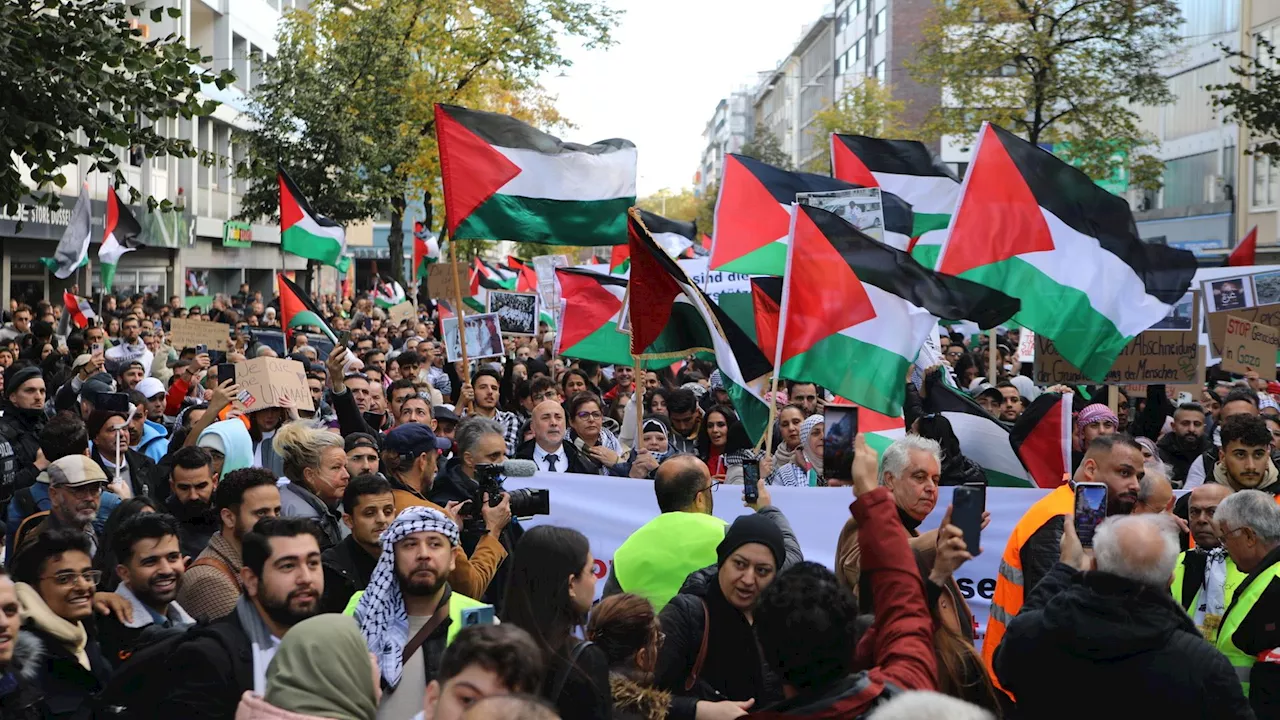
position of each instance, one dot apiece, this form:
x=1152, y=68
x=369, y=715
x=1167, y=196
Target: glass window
x=860, y=48
x=880, y=72
x=152, y=281
x=881, y=23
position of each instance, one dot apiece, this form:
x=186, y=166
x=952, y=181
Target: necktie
x=551, y=463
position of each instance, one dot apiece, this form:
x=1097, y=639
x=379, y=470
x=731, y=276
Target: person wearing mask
x=1104, y=620
x=1249, y=525
x=283, y=582
x=315, y=464
x=22, y=418
x=956, y=468
x=212, y=584
x=190, y=501
x=1186, y=442
x=150, y=569
x=362, y=454
x=1240, y=401
x=480, y=399
x=548, y=449
x=321, y=670
x=550, y=588
x=1033, y=547
x=409, y=613
x=155, y=437
x=1205, y=578
x=483, y=661
x=130, y=473
x=805, y=468
x=686, y=419
x=55, y=587
x=368, y=509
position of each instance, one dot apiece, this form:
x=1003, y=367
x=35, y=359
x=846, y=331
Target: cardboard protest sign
x=1155, y=357
x=1263, y=314
x=263, y=381
x=190, y=333
x=1248, y=346
x=402, y=312
x=440, y=279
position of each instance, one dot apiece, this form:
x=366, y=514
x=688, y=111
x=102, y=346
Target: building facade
x=877, y=39
x=788, y=98
x=728, y=130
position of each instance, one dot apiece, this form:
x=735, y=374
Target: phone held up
x=840, y=426
x=481, y=615
x=1091, y=510
x=967, y=505
x=751, y=481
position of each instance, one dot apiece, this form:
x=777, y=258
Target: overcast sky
x=673, y=61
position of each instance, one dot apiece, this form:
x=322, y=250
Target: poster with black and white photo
x=517, y=312
x=482, y=336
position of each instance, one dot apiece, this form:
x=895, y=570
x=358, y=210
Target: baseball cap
x=81, y=361
x=444, y=412
x=75, y=471
x=988, y=389
x=414, y=439
x=94, y=386
x=359, y=440
x=150, y=387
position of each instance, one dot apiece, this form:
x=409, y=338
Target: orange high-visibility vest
x=1009, y=590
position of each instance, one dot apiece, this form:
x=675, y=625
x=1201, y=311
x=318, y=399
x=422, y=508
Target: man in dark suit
x=548, y=449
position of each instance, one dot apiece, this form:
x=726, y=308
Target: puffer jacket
x=1178, y=458
x=19, y=443
x=20, y=696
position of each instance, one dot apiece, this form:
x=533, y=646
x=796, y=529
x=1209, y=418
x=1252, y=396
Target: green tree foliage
x=1253, y=99
x=77, y=81
x=1054, y=71
x=868, y=108
x=682, y=205
x=348, y=102
x=767, y=148
x=707, y=209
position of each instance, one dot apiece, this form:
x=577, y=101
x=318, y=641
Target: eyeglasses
x=712, y=487
x=69, y=577
x=597, y=415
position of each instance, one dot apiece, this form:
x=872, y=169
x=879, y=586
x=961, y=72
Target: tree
x=78, y=81
x=706, y=217
x=348, y=103
x=1054, y=71
x=865, y=109
x=682, y=206
x=1252, y=99
x=767, y=148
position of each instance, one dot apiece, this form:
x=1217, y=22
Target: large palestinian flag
x=1039, y=230
x=297, y=309
x=1041, y=438
x=303, y=231
x=120, y=231
x=591, y=306
x=983, y=439
x=670, y=317
x=846, y=296
x=907, y=169
x=504, y=180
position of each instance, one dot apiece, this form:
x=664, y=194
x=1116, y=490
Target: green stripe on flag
x=305, y=318
x=753, y=413
x=859, y=371
x=768, y=260
x=296, y=240
x=552, y=222
x=924, y=222
x=605, y=345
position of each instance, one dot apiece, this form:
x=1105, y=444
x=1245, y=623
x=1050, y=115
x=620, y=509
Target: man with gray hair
x=1155, y=494
x=1104, y=620
x=1249, y=524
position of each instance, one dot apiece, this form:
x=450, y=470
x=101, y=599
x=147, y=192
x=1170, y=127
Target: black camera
x=525, y=502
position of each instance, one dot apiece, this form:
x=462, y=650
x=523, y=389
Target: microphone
x=519, y=468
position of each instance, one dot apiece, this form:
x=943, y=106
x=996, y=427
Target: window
x=881, y=22
x=880, y=72
x=842, y=20
x=860, y=48
x=1266, y=182
x=859, y=6
x=842, y=64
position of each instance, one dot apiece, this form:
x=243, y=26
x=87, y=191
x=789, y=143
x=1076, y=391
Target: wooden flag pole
x=637, y=397
x=773, y=414
x=993, y=357
x=1113, y=399
x=457, y=299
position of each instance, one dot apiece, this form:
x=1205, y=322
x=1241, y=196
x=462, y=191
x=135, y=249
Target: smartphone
x=115, y=402
x=344, y=338
x=841, y=426
x=482, y=615
x=202, y=349
x=967, y=504
x=1091, y=510
x=95, y=349
x=226, y=371
x=750, y=479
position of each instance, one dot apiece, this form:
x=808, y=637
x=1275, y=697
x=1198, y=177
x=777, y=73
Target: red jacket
x=899, y=646
x=173, y=399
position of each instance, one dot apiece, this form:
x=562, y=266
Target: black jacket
x=119, y=642
x=1174, y=454
x=586, y=694
x=209, y=672
x=453, y=485
x=960, y=470
x=194, y=527
x=347, y=569
x=1129, y=648
x=576, y=463
x=142, y=472
x=23, y=700
x=1258, y=634
x=69, y=690
x=19, y=443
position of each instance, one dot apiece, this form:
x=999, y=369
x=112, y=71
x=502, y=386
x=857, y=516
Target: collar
x=908, y=522
x=143, y=615
x=540, y=455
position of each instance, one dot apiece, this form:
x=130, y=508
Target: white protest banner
x=191, y=333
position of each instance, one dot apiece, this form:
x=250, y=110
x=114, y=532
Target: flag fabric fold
x=120, y=233
x=1246, y=251
x=591, y=306
x=306, y=233
x=1035, y=228
x=766, y=305
x=526, y=276
x=298, y=310
x=983, y=439
x=78, y=309
x=426, y=251
x=73, y=248
x=1041, y=438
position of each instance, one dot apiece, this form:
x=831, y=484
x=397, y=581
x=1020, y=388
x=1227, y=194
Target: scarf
x=806, y=427
x=655, y=425
x=322, y=669
x=381, y=612
x=260, y=638
x=71, y=636
x=610, y=441
x=1221, y=475
x=733, y=665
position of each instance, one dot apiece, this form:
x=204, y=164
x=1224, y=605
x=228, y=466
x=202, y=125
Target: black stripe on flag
x=896, y=157
x=600, y=278
x=506, y=131
x=783, y=185
x=1038, y=438
x=302, y=201
x=897, y=273
x=658, y=224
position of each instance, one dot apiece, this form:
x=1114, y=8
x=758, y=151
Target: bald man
x=547, y=449
x=1205, y=578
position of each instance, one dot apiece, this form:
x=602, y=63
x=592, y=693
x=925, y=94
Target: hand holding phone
x=750, y=482
x=967, y=505
x=1091, y=510
x=482, y=615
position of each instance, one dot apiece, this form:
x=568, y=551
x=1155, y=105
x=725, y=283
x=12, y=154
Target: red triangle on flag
x=748, y=216
x=765, y=296
x=1246, y=252
x=290, y=211
x=652, y=289
x=998, y=217
x=471, y=170
x=588, y=307
x=1041, y=438
x=848, y=167
x=618, y=256
x=824, y=296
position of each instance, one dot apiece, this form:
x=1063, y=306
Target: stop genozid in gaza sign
x=1249, y=346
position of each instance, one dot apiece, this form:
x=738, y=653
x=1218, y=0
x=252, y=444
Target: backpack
x=142, y=678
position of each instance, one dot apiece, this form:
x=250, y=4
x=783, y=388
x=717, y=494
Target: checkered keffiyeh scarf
x=381, y=612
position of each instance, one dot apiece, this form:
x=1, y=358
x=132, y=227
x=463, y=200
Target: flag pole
x=1113, y=399
x=457, y=299
x=637, y=397
x=992, y=356
x=773, y=414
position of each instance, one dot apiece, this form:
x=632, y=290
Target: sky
x=673, y=60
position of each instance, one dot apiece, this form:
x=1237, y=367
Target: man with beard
x=75, y=492
x=368, y=509
x=409, y=613
x=1187, y=442
x=22, y=417
x=212, y=584
x=150, y=572
x=191, y=487
x=283, y=583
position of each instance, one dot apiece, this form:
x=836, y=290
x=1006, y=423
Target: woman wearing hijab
x=653, y=448
x=805, y=468
x=322, y=669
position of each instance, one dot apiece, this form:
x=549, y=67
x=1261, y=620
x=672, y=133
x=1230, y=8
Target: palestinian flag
x=907, y=169
x=983, y=439
x=766, y=304
x=620, y=260
x=297, y=309
x=591, y=306
x=1246, y=251
x=1041, y=438
x=120, y=233
x=388, y=293
x=504, y=180
x=671, y=317
x=306, y=233
x=1032, y=226
x=426, y=251
x=888, y=306
x=880, y=430
x=526, y=276
x=78, y=309
x=73, y=248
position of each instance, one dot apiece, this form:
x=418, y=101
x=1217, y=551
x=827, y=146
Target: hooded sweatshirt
x=155, y=441
x=1269, y=478
x=231, y=438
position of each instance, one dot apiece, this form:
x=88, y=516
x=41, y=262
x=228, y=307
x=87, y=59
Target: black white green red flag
x=1036, y=228
x=120, y=231
x=73, y=248
x=426, y=251
x=1041, y=438
x=79, y=310
x=306, y=233
x=983, y=439
x=297, y=310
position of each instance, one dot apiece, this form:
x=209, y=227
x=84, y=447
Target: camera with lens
x=525, y=502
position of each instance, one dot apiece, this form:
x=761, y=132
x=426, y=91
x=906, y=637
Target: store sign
x=236, y=233
x=39, y=222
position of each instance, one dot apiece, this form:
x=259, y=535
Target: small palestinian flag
x=388, y=293
x=526, y=276
x=78, y=309
x=1041, y=437
x=120, y=233
x=1246, y=252
x=1035, y=228
x=983, y=439
x=591, y=306
x=671, y=317
x=297, y=310
x=766, y=304
x=504, y=180
x=306, y=233
x=907, y=169
x=620, y=260
x=889, y=306
x=426, y=251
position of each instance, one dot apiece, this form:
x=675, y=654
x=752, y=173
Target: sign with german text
x=1249, y=346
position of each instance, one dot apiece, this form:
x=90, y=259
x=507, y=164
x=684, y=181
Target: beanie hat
x=97, y=419
x=753, y=528
x=16, y=375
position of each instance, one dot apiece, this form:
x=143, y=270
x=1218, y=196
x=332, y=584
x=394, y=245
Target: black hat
x=359, y=440
x=753, y=528
x=16, y=375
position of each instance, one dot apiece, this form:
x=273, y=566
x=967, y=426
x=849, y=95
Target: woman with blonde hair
x=315, y=471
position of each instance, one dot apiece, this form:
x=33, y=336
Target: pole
x=637, y=397
x=773, y=414
x=1113, y=399
x=992, y=357
x=457, y=299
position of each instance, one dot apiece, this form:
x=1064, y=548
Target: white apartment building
x=728, y=130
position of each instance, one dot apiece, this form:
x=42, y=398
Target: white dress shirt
x=540, y=458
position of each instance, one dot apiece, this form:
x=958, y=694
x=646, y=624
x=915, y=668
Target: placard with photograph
x=1266, y=288
x=1224, y=294
x=517, y=312
x=484, y=337
x=1181, y=315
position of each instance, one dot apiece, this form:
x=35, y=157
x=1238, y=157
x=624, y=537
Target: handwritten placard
x=1248, y=346
x=440, y=279
x=1155, y=357
x=1263, y=314
x=403, y=312
x=190, y=333
x=263, y=381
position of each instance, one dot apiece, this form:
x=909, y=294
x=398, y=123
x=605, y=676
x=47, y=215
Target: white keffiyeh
x=381, y=612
